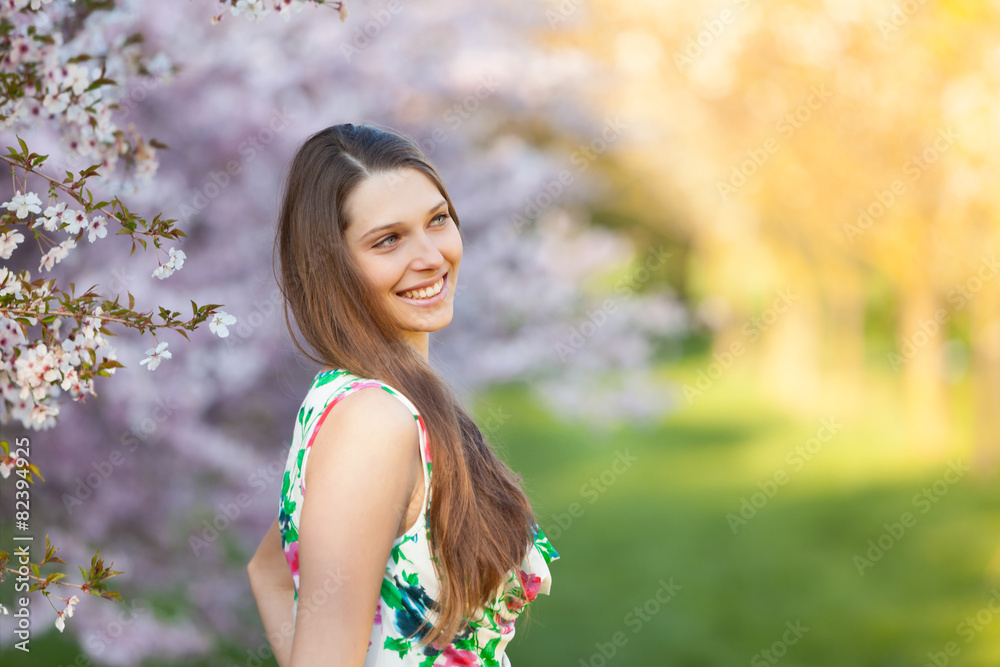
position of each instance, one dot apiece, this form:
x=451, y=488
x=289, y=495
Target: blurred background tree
x=841, y=150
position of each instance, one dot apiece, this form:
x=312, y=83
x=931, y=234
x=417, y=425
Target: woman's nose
x=426, y=253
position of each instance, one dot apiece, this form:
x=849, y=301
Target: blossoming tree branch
x=54, y=340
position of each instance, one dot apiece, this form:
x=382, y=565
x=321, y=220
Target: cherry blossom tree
x=176, y=472
x=47, y=80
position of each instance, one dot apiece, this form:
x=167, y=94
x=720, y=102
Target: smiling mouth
x=425, y=293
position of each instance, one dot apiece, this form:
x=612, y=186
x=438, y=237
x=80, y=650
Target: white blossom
x=91, y=324
x=70, y=378
x=37, y=368
x=77, y=77
x=53, y=217
x=56, y=254
x=43, y=416
x=254, y=9
x=67, y=612
x=10, y=334
x=112, y=355
x=72, y=347
x=56, y=103
x=97, y=228
x=163, y=271
x=11, y=282
x=20, y=409
x=174, y=263
x=156, y=355
x=24, y=204
x=75, y=221
x=177, y=258
x=8, y=242
x=219, y=322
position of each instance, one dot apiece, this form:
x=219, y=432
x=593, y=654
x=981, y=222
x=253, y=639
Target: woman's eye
x=440, y=217
x=383, y=244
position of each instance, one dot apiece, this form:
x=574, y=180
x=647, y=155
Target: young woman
x=417, y=545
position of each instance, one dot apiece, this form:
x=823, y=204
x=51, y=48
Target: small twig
x=76, y=196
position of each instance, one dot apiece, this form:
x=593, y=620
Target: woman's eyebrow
x=393, y=224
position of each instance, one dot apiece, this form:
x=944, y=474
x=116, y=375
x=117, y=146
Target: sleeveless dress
x=410, y=584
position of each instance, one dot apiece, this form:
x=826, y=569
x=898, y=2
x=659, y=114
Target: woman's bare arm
x=361, y=472
x=271, y=583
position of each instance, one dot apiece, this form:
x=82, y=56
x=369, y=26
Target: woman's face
x=404, y=240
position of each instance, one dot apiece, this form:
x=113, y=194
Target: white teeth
x=426, y=292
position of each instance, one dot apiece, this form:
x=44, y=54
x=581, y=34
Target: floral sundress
x=410, y=585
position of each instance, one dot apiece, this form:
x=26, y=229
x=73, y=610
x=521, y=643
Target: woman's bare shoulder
x=369, y=426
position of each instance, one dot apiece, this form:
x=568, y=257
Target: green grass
x=792, y=561
x=664, y=518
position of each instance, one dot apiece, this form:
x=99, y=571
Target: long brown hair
x=481, y=521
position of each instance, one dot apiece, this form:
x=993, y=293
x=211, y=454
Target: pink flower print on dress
x=530, y=583
x=427, y=442
x=292, y=556
x=458, y=657
x=503, y=625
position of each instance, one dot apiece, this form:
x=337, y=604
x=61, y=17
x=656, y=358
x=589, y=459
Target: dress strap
x=423, y=439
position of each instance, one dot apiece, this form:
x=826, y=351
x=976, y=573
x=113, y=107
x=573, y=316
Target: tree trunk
x=844, y=342
x=790, y=350
x=922, y=357
x=985, y=340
